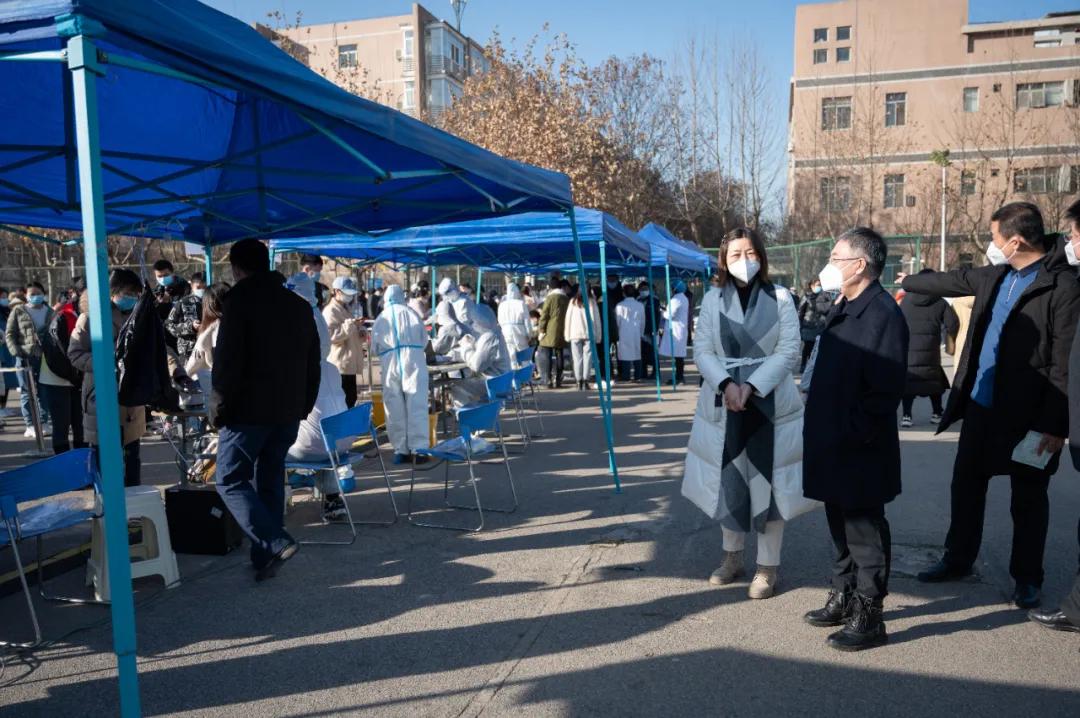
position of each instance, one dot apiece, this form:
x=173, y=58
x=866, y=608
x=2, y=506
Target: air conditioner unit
x=997, y=87
x=909, y=200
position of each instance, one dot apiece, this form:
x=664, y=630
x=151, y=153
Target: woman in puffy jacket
x=577, y=334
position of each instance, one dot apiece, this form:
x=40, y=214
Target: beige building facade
x=885, y=93
x=415, y=63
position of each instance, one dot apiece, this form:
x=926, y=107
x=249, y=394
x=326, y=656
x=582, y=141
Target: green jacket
x=553, y=320
x=21, y=336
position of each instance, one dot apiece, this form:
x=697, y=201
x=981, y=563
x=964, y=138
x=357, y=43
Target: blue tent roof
x=510, y=244
x=240, y=141
x=680, y=252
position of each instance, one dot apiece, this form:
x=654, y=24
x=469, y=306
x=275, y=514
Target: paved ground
x=584, y=602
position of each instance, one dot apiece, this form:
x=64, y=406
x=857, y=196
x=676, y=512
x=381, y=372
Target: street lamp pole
x=941, y=158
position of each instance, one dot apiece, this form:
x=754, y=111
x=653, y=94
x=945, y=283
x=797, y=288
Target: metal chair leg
x=60, y=599
x=446, y=490
x=348, y=515
x=26, y=592
x=389, y=492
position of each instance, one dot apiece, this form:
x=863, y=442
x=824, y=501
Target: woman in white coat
x=676, y=329
x=744, y=459
x=630, y=317
x=514, y=320
x=576, y=331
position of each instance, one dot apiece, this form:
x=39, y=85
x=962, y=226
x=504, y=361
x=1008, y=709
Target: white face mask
x=996, y=255
x=744, y=270
x=831, y=278
x=1070, y=253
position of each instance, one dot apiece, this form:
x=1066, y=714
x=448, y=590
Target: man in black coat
x=1067, y=617
x=1010, y=387
x=851, y=444
x=652, y=309
x=265, y=380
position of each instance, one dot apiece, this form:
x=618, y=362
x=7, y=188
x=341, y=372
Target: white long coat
x=514, y=320
x=630, y=315
x=705, y=452
x=676, y=327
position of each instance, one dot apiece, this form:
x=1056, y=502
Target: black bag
x=54, y=345
x=199, y=522
x=142, y=372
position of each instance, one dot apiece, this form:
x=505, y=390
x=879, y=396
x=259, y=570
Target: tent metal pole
x=655, y=347
x=479, y=282
x=605, y=409
x=670, y=326
x=84, y=67
x=208, y=260
x=605, y=320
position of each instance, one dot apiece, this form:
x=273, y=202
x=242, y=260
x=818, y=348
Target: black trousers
x=348, y=385
x=132, y=463
x=1071, y=605
x=807, y=349
x=862, y=550
x=909, y=401
x=552, y=366
x=65, y=408
x=981, y=455
x=648, y=359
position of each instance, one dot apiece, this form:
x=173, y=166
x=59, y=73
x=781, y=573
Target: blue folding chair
x=523, y=378
x=524, y=356
x=501, y=389
x=56, y=475
x=352, y=422
x=463, y=450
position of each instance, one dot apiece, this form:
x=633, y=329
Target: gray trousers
x=581, y=353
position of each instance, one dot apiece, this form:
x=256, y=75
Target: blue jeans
x=251, y=481
x=625, y=365
x=24, y=391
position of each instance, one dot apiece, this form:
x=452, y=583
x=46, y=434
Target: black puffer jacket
x=181, y=323
x=926, y=316
x=813, y=312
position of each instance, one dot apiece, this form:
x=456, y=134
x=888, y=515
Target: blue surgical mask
x=126, y=303
x=36, y=299
x=817, y=290
x=199, y=292
x=167, y=280
x=315, y=276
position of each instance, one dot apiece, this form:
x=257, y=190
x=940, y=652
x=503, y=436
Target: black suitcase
x=199, y=523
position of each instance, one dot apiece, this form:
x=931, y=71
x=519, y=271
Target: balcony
x=408, y=65
x=443, y=65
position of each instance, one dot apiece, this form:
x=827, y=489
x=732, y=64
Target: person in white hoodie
x=399, y=338
x=485, y=352
x=630, y=315
x=577, y=334
x=514, y=320
x=309, y=444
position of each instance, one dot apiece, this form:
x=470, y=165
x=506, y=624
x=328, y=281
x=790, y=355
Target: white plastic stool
x=151, y=557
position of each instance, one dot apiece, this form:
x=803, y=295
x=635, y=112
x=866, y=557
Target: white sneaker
x=29, y=433
x=905, y=422
x=935, y=419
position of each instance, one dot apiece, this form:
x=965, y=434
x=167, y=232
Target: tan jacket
x=132, y=418
x=346, y=340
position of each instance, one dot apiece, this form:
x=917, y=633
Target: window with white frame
x=894, y=191
x=821, y=56
x=821, y=34
x=1035, y=95
x=895, y=109
x=346, y=57
x=835, y=194
x=1037, y=180
x=408, y=42
x=836, y=113
x=408, y=96
x=843, y=33
x=843, y=54
x=1050, y=37
x=971, y=99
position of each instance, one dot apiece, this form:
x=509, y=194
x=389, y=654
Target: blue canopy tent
x=512, y=244
x=682, y=254
x=201, y=129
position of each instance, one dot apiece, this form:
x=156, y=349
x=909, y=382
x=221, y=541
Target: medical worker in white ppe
x=463, y=304
x=398, y=338
x=485, y=352
x=514, y=320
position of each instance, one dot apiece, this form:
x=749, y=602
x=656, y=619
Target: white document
x=1025, y=451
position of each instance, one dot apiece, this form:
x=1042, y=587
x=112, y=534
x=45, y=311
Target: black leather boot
x=864, y=629
x=836, y=611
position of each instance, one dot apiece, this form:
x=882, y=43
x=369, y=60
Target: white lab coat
x=399, y=337
x=676, y=327
x=630, y=314
x=514, y=320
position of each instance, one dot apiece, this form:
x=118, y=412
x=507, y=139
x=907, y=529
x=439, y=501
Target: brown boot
x=730, y=569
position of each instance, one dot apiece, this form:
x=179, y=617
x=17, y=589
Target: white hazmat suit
x=514, y=320
x=399, y=337
x=486, y=354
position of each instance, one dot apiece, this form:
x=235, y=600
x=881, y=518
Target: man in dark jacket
x=1010, y=388
x=1067, y=617
x=652, y=311
x=265, y=380
x=851, y=444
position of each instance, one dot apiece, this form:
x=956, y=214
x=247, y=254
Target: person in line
x=26, y=327
x=420, y=302
x=1010, y=390
x=744, y=459
x=125, y=288
x=309, y=445
x=312, y=265
x=1066, y=617
x=529, y=295
x=8, y=380
x=375, y=303
x=813, y=311
x=201, y=362
x=348, y=339
x=648, y=336
x=264, y=383
x=630, y=315
x=514, y=320
x=676, y=332
x=851, y=443
x=552, y=338
x=186, y=316
x=926, y=317
x=577, y=334
x=64, y=382
x=399, y=338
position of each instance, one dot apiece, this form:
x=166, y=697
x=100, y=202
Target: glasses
x=843, y=259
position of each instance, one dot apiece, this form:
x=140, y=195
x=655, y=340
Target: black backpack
x=142, y=372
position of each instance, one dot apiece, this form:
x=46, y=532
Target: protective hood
x=394, y=295
x=680, y=286
x=448, y=289
x=512, y=292
x=484, y=319
x=303, y=286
